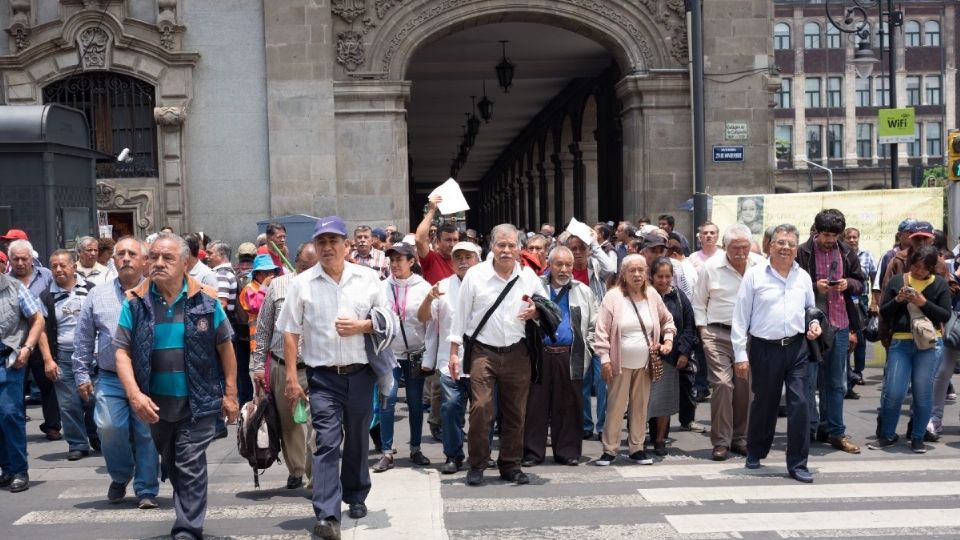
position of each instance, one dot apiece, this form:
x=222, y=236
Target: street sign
x=727, y=154
x=736, y=131
x=896, y=126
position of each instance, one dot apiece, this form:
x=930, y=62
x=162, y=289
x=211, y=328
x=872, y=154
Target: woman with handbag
x=674, y=392
x=405, y=291
x=916, y=304
x=634, y=329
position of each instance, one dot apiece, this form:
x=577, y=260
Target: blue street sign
x=727, y=154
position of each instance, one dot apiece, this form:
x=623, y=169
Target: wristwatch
x=28, y=348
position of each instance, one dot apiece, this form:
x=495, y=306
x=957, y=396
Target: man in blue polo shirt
x=173, y=349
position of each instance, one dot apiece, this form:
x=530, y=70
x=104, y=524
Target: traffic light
x=953, y=156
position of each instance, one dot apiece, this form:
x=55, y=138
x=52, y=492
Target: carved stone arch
x=641, y=35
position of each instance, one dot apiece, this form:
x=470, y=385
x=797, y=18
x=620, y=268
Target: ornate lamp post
x=850, y=16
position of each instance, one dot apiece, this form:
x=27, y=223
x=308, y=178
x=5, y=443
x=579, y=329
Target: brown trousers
x=730, y=402
x=509, y=373
x=298, y=440
x=633, y=386
x=556, y=402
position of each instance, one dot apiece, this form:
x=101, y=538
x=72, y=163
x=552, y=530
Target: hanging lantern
x=485, y=106
x=505, y=70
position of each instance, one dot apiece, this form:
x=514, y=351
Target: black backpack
x=258, y=434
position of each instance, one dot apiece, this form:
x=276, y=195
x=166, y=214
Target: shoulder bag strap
x=486, y=316
x=403, y=333
x=639, y=318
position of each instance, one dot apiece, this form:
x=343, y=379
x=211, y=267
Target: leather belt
x=783, y=342
x=504, y=350
x=551, y=349
x=726, y=327
x=348, y=369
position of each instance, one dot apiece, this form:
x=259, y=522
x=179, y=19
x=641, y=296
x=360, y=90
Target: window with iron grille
x=119, y=111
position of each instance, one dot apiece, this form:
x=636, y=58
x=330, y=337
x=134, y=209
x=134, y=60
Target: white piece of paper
x=453, y=199
x=580, y=230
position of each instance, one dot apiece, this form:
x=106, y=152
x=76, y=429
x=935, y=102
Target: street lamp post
x=855, y=21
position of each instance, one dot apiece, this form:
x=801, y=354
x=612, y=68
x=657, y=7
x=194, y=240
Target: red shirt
x=583, y=276
x=436, y=268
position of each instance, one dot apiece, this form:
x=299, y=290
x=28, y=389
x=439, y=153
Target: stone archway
x=375, y=42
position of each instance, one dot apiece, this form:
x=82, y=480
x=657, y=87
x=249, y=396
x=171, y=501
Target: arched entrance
x=377, y=47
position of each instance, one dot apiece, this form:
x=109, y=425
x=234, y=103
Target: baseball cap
x=400, y=249
x=264, y=263
x=15, y=234
x=905, y=225
x=331, y=225
x=644, y=230
x=380, y=233
x=247, y=249
x=921, y=228
x=466, y=246
x=3, y=257
x=653, y=240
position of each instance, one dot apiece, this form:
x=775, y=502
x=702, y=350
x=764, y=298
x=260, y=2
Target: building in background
x=826, y=114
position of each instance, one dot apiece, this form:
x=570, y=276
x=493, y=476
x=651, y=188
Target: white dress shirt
x=715, y=292
x=315, y=300
x=770, y=306
x=97, y=275
x=441, y=320
x=480, y=288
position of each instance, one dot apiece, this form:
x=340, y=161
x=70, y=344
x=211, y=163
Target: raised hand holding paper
x=580, y=230
x=453, y=200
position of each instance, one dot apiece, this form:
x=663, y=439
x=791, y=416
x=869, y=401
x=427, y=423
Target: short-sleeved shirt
x=436, y=267
x=168, y=376
x=67, y=305
x=227, y=286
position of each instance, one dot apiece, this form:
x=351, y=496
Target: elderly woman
x=913, y=295
x=674, y=392
x=405, y=291
x=633, y=326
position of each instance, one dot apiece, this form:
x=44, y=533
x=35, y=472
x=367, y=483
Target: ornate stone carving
x=350, y=52
x=348, y=10
x=20, y=24
x=383, y=6
x=169, y=116
x=111, y=196
x=92, y=44
x=167, y=24
x=105, y=194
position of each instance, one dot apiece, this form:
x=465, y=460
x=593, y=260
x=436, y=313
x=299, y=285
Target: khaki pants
x=298, y=440
x=631, y=386
x=730, y=402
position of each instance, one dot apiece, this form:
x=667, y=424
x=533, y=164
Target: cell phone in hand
x=911, y=291
x=833, y=282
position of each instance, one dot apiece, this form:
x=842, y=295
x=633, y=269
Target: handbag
x=922, y=328
x=655, y=364
x=951, y=332
x=468, y=341
x=871, y=330
x=415, y=357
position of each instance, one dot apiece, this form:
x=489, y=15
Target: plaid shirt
x=830, y=267
x=96, y=324
x=375, y=259
x=867, y=264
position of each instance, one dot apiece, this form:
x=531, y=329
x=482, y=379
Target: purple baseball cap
x=331, y=225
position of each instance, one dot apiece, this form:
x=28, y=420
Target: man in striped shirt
x=219, y=257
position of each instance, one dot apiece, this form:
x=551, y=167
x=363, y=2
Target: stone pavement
x=890, y=493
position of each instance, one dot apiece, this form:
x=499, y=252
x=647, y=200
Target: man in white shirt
x=709, y=236
x=437, y=311
x=499, y=357
x=328, y=306
x=713, y=301
x=195, y=267
x=88, y=250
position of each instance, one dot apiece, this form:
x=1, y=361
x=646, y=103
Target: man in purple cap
x=901, y=241
x=328, y=306
x=920, y=234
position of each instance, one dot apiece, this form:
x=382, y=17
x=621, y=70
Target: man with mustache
x=174, y=347
x=557, y=401
x=127, y=445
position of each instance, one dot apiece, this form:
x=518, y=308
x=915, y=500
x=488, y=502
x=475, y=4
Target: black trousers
x=48, y=394
x=555, y=402
x=772, y=366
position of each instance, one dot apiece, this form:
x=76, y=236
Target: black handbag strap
x=643, y=327
x=403, y=333
x=486, y=316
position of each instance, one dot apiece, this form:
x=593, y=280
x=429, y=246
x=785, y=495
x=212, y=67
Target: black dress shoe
x=358, y=510
x=76, y=455
x=95, y=443
x=802, y=475
x=5, y=479
x=21, y=482
x=491, y=464
x=418, y=459
x=530, y=461
x=328, y=529
x=451, y=466
x=569, y=461
x=294, y=482
x=474, y=477
x=587, y=435
x=517, y=477
x=116, y=492
x=436, y=432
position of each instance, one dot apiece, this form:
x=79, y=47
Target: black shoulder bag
x=415, y=357
x=468, y=341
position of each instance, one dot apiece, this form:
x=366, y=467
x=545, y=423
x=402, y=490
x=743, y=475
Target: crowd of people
x=145, y=350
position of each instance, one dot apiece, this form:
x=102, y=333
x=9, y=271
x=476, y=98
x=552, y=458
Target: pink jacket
x=607, y=337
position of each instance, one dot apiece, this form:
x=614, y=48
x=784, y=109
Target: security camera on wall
x=125, y=156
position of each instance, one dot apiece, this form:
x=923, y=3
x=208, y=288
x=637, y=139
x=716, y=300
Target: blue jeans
x=453, y=408
x=593, y=380
x=414, y=386
x=13, y=421
x=860, y=354
x=907, y=365
x=127, y=444
x=833, y=386
x=73, y=410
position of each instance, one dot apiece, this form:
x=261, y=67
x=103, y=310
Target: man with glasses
x=837, y=280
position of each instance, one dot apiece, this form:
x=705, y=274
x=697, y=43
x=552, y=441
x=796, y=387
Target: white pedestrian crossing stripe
x=814, y=521
x=795, y=491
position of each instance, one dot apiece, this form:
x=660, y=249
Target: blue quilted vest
x=201, y=360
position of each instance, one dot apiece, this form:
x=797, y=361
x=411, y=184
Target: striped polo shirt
x=168, y=377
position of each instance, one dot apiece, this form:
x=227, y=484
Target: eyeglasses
x=785, y=243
